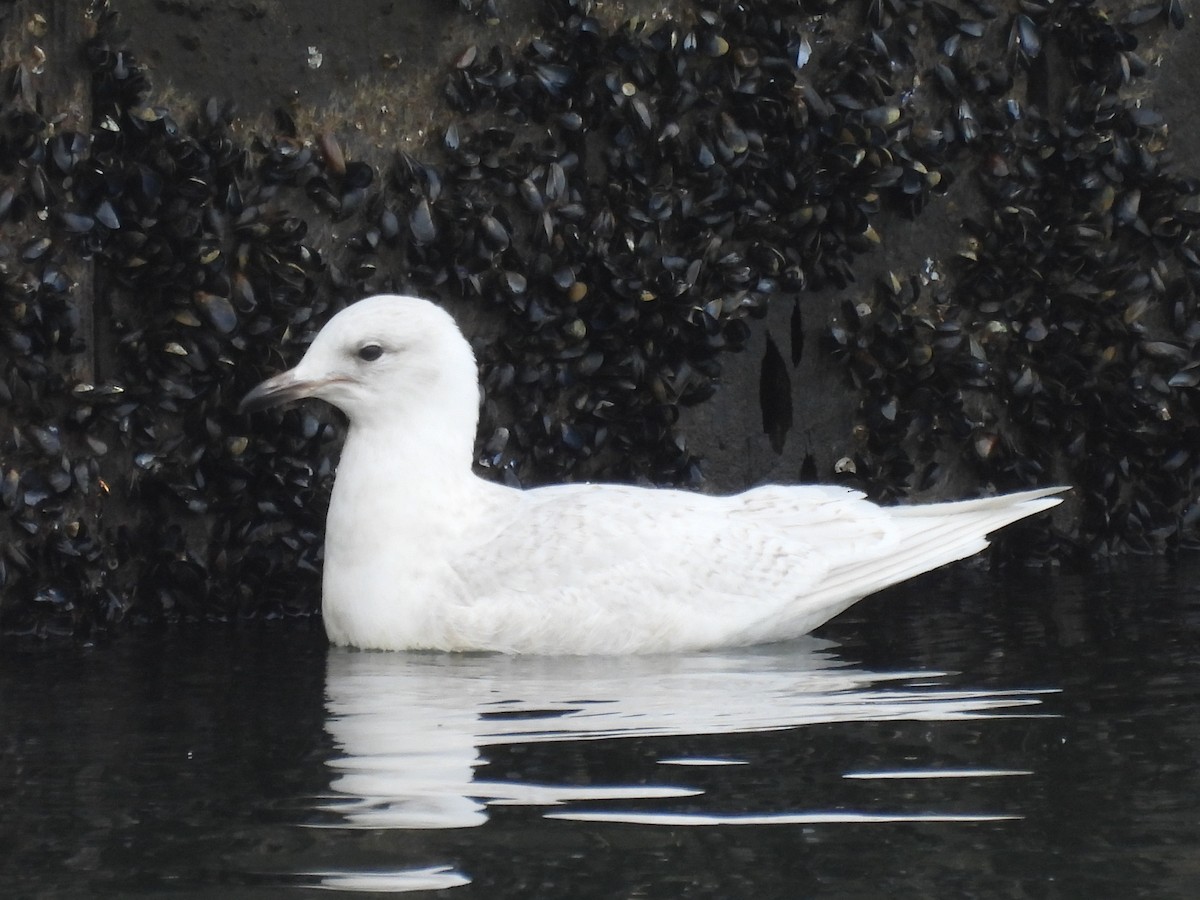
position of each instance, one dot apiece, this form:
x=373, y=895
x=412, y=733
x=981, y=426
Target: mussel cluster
x=682, y=177
x=617, y=201
x=1061, y=343
x=130, y=483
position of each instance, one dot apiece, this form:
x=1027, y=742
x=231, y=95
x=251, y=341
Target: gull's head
x=383, y=357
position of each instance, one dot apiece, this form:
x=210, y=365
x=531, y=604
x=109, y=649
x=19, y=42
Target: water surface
x=1025, y=735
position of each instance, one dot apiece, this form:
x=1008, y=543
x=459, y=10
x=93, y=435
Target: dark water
x=1031, y=735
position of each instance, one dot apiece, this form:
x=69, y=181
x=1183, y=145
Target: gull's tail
x=925, y=537
x=940, y=533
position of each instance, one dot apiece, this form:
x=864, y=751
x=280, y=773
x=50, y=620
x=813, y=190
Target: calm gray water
x=1024, y=735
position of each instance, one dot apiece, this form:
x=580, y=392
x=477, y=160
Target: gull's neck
x=399, y=465
x=403, y=498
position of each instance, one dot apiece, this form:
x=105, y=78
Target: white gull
x=420, y=553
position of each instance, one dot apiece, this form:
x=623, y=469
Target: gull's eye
x=370, y=352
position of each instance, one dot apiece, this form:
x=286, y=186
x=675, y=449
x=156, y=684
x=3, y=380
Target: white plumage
x=422, y=553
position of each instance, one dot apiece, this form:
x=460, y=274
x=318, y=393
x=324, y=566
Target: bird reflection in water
x=412, y=729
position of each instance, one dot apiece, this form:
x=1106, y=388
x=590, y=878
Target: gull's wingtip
x=1022, y=503
x=1040, y=498
x=1039, y=493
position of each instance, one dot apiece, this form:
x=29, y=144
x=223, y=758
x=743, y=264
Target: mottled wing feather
x=688, y=565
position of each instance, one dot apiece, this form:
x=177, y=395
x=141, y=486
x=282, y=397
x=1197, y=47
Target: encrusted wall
x=925, y=249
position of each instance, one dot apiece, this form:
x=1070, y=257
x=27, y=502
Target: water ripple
x=412, y=730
